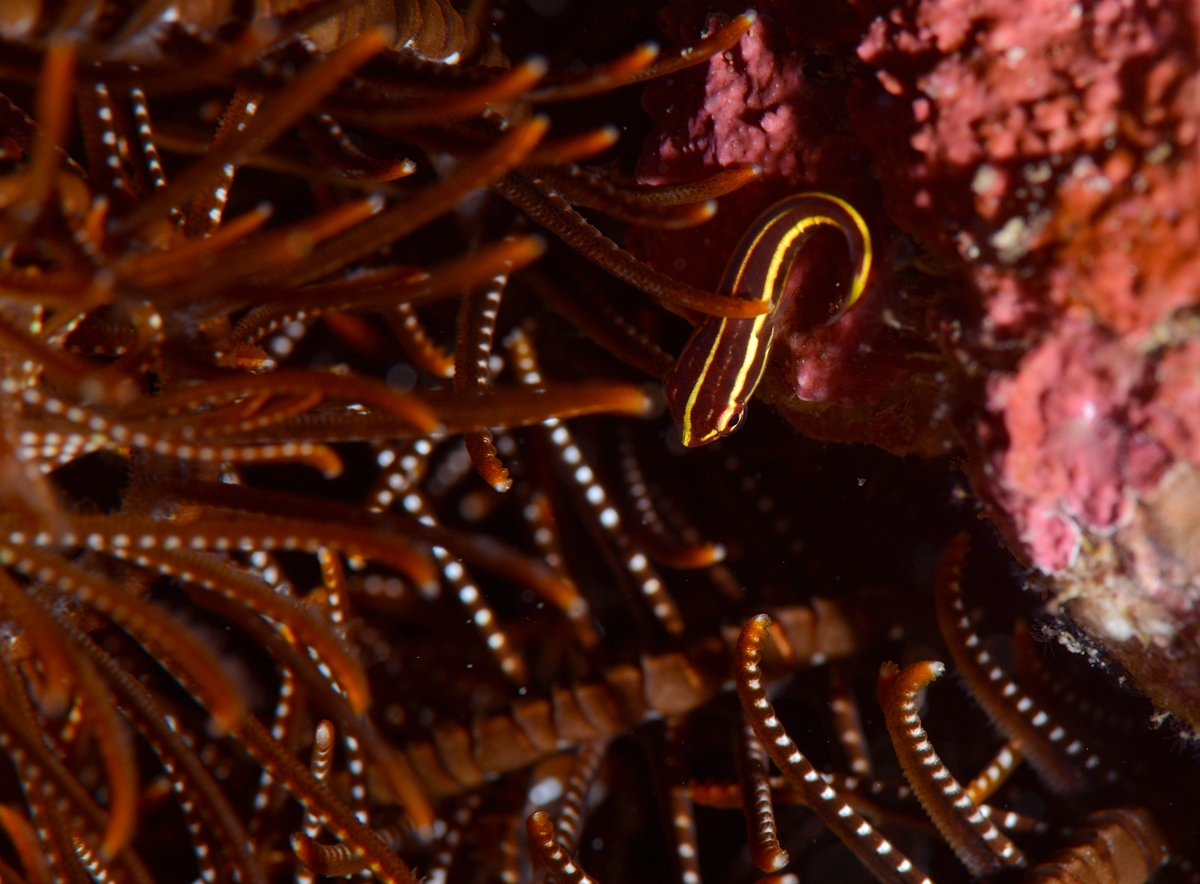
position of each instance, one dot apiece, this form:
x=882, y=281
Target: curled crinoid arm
x=544, y=845
x=320, y=764
x=393, y=765
x=47, y=837
x=322, y=761
x=134, y=536
x=810, y=635
x=56, y=798
x=248, y=590
x=333, y=860
x=765, y=851
x=887, y=863
x=574, y=808
x=150, y=627
x=112, y=736
x=411, y=214
x=323, y=804
x=644, y=63
x=998, y=770
x=340, y=860
x=1121, y=846
x=190, y=778
x=595, y=500
x=1046, y=745
x=28, y=847
x=421, y=349
x=277, y=114
x=974, y=839
x=546, y=207
x=472, y=371
x=580, y=187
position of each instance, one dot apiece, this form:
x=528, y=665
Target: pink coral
x=1072, y=455
x=1053, y=147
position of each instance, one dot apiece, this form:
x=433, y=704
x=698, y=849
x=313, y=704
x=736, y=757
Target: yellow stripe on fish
x=708, y=387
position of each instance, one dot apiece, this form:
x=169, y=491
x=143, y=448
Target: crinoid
x=336, y=539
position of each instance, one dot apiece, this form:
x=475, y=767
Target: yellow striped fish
x=708, y=387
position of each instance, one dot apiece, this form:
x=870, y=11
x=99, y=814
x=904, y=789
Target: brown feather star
x=341, y=534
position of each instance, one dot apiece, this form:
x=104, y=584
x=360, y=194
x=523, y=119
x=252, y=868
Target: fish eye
x=733, y=423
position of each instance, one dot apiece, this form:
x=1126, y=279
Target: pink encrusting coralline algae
x=1031, y=170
